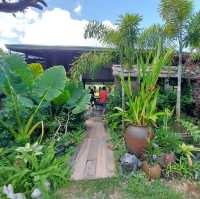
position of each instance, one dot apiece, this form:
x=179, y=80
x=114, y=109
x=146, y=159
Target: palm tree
x=153, y=36
x=123, y=38
x=193, y=32
x=176, y=14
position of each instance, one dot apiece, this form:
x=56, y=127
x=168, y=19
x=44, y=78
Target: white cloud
x=78, y=9
x=52, y=27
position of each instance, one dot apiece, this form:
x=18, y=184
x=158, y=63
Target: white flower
x=36, y=193
x=8, y=191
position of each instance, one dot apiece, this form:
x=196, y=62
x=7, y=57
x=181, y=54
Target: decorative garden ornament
x=130, y=163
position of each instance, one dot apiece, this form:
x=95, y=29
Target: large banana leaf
x=51, y=83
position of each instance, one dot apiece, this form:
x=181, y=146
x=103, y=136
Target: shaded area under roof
x=61, y=55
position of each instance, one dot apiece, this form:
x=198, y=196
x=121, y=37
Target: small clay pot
x=136, y=139
x=168, y=159
x=151, y=171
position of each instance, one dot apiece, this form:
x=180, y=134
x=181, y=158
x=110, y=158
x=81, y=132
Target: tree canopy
x=193, y=37
x=20, y=5
x=123, y=37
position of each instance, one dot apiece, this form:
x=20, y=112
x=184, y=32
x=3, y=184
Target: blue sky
x=111, y=9
x=63, y=21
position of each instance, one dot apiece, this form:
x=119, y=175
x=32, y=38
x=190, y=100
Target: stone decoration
x=130, y=163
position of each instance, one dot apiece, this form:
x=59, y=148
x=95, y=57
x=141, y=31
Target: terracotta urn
x=168, y=159
x=151, y=171
x=136, y=139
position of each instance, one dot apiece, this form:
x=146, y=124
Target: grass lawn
x=137, y=187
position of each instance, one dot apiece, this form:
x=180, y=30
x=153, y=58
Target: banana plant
x=44, y=87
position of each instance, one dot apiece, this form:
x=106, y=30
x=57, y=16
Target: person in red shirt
x=103, y=97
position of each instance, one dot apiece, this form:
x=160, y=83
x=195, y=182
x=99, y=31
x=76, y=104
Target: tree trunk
x=178, y=101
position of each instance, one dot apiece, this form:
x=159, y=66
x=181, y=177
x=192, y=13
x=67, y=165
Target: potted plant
x=151, y=165
x=140, y=111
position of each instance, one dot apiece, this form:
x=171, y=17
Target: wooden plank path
x=95, y=159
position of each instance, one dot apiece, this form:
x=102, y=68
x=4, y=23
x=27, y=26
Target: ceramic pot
x=136, y=139
x=167, y=159
x=151, y=171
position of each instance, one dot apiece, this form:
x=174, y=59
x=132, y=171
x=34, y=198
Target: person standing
x=103, y=98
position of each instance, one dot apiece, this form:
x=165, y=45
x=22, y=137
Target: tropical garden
x=154, y=130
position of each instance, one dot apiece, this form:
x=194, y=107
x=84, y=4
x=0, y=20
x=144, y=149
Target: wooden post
x=123, y=98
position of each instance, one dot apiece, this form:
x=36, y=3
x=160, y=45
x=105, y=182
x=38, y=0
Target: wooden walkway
x=95, y=158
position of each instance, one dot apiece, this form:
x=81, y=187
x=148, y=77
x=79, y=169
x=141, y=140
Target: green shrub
x=32, y=167
x=181, y=169
x=167, y=99
x=168, y=140
x=192, y=129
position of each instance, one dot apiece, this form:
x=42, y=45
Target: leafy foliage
x=90, y=63
x=25, y=91
x=167, y=99
x=167, y=140
x=36, y=68
x=74, y=96
x=193, y=129
x=33, y=166
x=194, y=31
x=123, y=38
x=28, y=94
x=149, y=38
x=141, y=107
x=176, y=14
x=51, y=83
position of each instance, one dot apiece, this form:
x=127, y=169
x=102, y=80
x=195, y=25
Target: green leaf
x=63, y=97
x=51, y=83
x=25, y=101
x=82, y=104
x=17, y=65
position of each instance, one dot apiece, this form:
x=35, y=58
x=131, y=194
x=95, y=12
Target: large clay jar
x=152, y=172
x=136, y=139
